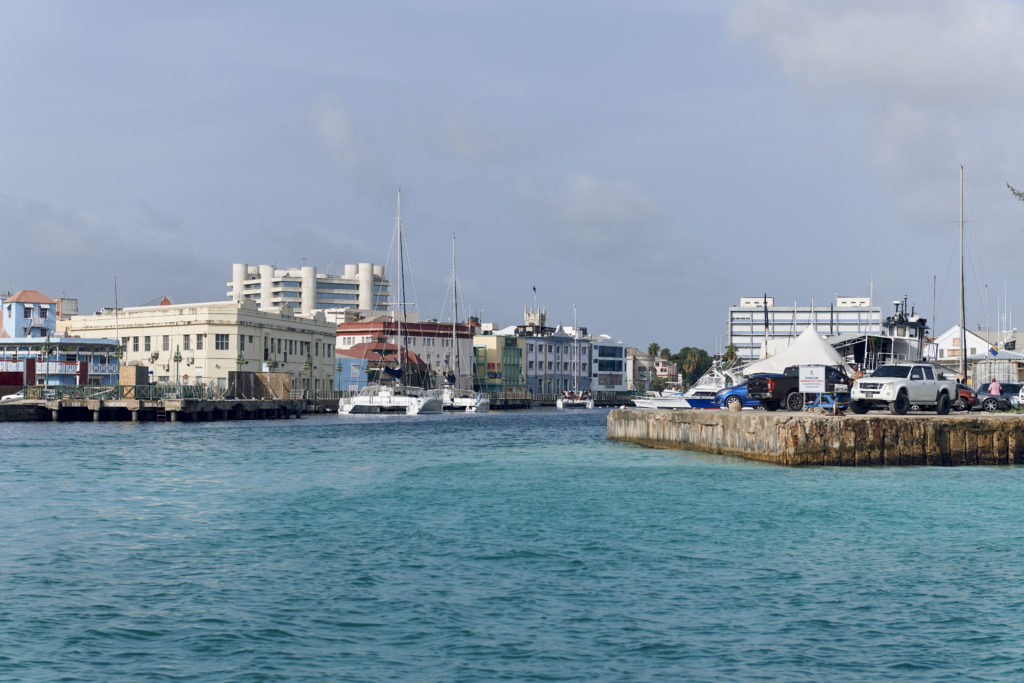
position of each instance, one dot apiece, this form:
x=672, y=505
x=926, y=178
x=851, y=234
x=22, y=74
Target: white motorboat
x=386, y=398
x=700, y=395
x=667, y=399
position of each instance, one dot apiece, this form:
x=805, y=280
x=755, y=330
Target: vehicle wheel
x=733, y=401
x=942, y=407
x=990, y=404
x=961, y=404
x=770, y=405
x=859, y=407
x=901, y=405
x=795, y=401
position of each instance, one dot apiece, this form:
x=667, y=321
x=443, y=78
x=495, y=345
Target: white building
x=200, y=343
x=747, y=324
x=361, y=286
x=608, y=364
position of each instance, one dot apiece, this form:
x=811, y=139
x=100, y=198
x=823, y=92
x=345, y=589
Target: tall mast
x=400, y=313
x=963, y=330
x=455, y=312
x=575, y=353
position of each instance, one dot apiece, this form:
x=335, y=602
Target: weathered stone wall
x=798, y=439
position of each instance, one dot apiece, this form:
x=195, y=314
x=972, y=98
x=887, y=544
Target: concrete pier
x=148, y=410
x=805, y=439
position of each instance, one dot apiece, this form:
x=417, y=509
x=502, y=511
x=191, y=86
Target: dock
x=148, y=410
x=808, y=439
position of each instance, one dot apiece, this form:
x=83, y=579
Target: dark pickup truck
x=777, y=391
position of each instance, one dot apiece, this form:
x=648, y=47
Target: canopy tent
x=807, y=349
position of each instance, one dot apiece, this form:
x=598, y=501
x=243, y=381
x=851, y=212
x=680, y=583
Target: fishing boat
x=575, y=398
x=388, y=395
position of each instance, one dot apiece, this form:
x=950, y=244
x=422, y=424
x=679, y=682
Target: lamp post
x=177, y=359
x=308, y=367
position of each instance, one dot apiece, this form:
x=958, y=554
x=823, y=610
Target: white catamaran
x=394, y=397
x=454, y=397
x=575, y=398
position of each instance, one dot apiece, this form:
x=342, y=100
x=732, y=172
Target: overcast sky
x=650, y=161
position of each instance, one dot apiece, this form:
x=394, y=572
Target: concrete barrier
x=805, y=439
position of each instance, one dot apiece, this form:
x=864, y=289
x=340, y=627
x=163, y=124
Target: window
x=146, y=342
x=199, y=342
x=241, y=342
x=188, y=342
x=529, y=364
x=250, y=339
x=166, y=343
x=549, y=348
x=916, y=374
x=27, y=312
x=42, y=312
x=529, y=347
x=928, y=374
x=549, y=365
x=221, y=342
x=135, y=343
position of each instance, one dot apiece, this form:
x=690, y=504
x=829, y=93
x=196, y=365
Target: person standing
x=995, y=388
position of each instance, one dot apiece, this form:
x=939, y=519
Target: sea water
x=501, y=546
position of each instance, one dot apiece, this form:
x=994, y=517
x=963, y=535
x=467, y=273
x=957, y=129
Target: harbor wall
x=806, y=439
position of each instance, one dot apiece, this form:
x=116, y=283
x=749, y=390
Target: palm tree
x=653, y=349
x=731, y=352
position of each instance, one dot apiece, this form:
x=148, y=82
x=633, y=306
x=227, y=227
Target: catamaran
x=452, y=396
x=394, y=397
x=575, y=398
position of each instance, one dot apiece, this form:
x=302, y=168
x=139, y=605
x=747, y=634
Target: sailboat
x=394, y=397
x=453, y=397
x=575, y=398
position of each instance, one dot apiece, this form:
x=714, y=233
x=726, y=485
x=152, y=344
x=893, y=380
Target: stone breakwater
x=806, y=439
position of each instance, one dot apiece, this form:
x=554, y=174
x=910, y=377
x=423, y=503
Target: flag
x=992, y=350
x=534, y=290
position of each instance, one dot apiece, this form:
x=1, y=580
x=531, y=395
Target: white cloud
x=935, y=82
x=349, y=146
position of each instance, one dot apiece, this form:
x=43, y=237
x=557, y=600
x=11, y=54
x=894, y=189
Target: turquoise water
x=508, y=546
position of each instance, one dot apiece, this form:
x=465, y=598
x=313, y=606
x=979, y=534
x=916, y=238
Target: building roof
x=165, y=302
x=30, y=296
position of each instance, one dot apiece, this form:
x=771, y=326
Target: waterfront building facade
x=608, y=363
x=430, y=340
x=757, y=319
x=57, y=361
x=498, y=363
x=201, y=343
x=350, y=370
x=640, y=370
x=29, y=313
x=360, y=286
x=556, y=362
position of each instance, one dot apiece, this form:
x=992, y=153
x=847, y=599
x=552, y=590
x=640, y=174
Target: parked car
x=966, y=398
x=737, y=393
x=901, y=387
x=775, y=391
x=1008, y=398
x=16, y=396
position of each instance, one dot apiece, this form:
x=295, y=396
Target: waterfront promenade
x=807, y=439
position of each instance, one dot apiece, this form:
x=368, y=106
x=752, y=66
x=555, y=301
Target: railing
x=142, y=392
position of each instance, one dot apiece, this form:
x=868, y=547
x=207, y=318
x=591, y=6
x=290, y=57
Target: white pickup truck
x=902, y=386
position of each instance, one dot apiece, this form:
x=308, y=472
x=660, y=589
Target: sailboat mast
x=400, y=313
x=455, y=312
x=575, y=353
x=963, y=329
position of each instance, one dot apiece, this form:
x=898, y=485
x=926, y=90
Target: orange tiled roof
x=30, y=296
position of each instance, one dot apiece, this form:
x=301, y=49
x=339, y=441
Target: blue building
x=350, y=372
x=29, y=314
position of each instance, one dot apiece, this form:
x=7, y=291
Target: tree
x=666, y=354
x=653, y=349
x=693, y=363
x=731, y=353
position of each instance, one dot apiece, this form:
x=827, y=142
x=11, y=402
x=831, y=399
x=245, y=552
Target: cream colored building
x=211, y=339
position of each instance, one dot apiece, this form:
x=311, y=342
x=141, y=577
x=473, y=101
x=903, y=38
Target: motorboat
x=700, y=395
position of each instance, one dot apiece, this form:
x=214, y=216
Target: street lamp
x=177, y=359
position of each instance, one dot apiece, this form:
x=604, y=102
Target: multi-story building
x=431, y=341
x=201, y=342
x=557, y=362
x=608, y=364
x=29, y=313
x=361, y=286
x=758, y=318
x=63, y=361
x=640, y=370
x=498, y=363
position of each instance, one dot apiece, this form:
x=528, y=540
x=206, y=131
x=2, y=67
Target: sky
x=648, y=162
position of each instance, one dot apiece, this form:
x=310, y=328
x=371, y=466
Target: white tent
x=807, y=349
